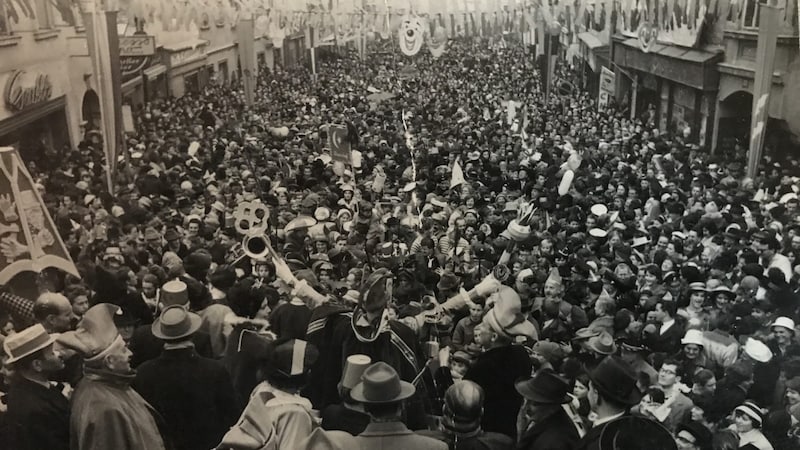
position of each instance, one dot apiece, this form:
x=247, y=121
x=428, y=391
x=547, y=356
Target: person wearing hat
x=277, y=416
x=194, y=395
x=748, y=419
x=368, y=331
x=612, y=391
x=383, y=393
x=696, y=313
x=634, y=352
x=37, y=416
x=502, y=364
x=175, y=244
x=348, y=415
x=783, y=333
x=106, y=411
x=146, y=346
x=692, y=358
x=543, y=422
x=461, y=421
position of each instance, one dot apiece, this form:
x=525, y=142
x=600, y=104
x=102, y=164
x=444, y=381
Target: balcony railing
x=743, y=15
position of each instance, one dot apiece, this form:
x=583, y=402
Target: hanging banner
x=103, y=42
x=29, y=240
x=762, y=83
x=607, y=87
x=247, y=59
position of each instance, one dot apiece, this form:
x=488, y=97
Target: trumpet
x=256, y=246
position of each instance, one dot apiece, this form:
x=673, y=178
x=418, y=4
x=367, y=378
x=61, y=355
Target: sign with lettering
x=137, y=45
x=607, y=87
x=181, y=57
x=131, y=66
x=22, y=91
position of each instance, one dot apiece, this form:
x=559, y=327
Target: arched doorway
x=90, y=110
x=735, y=112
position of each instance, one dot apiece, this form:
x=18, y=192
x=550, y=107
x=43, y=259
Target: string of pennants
x=342, y=21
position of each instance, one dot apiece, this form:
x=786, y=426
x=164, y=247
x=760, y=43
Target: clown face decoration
x=437, y=42
x=411, y=34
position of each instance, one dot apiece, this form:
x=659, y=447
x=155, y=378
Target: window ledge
x=9, y=40
x=80, y=29
x=42, y=35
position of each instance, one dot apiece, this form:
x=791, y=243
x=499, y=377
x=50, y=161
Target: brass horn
x=256, y=246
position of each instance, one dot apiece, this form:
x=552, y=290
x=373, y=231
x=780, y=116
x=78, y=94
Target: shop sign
x=19, y=95
x=183, y=56
x=607, y=81
x=137, y=45
x=131, y=67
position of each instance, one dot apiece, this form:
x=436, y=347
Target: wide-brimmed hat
x=697, y=286
x=300, y=222
x=635, y=433
x=545, y=388
x=614, y=379
x=176, y=322
x=603, y=344
x=380, y=383
x=25, y=343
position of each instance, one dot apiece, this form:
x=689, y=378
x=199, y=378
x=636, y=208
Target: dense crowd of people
x=494, y=268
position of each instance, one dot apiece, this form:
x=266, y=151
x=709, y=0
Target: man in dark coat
x=193, y=394
x=502, y=364
x=38, y=413
x=612, y=391
x=543, y=422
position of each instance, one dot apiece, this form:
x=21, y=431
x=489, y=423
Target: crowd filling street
x=492, y=266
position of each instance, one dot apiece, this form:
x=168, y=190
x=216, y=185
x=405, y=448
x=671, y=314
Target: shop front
x=674, y=87
x=33, y=111
x=187, y=67
x=593, y=54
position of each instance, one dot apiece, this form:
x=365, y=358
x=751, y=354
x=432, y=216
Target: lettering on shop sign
x=18, y=95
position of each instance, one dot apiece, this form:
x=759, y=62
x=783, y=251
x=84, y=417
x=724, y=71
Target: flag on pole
x=457, y=177
x=765, y=62
x=103, y=43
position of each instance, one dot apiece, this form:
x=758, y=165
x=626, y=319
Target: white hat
x=693, y=337
x=786, y=197
x=784, y=322
x=89, y=198
x=599, y=209
x=322, y=213
x=26, y=342
x=757, y=350
x=639, y=241
x=598, y=233
x=186, y=185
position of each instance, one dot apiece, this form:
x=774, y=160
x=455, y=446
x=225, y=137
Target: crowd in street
x=493, y=268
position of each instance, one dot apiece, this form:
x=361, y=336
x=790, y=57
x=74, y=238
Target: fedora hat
x=545, y=388
x=614, y=378
x=635, y=433
x=27, y=342
x=380, y=383
x=603, y=344
x=176, y=322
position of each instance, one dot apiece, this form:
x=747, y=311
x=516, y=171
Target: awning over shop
x=155, y=71
x=688, y=66
x=590, y=40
